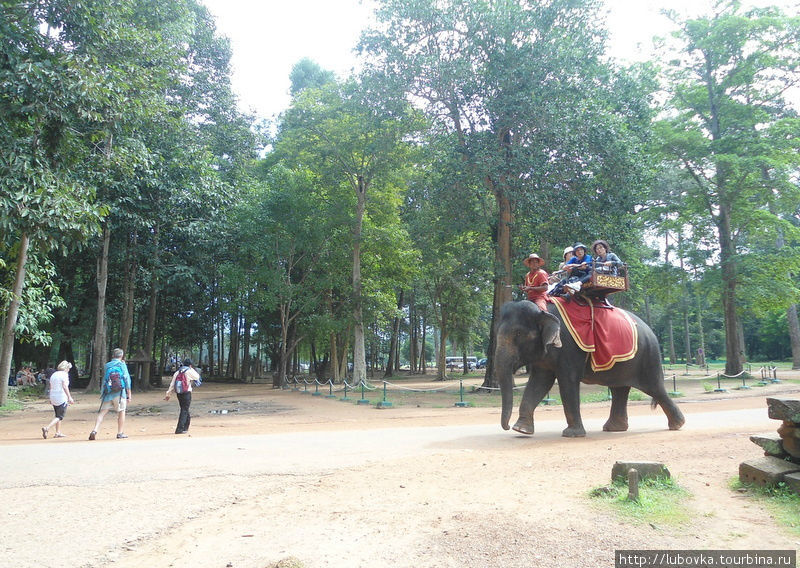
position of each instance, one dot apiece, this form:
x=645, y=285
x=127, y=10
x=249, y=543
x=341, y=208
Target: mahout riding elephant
x=527, y=336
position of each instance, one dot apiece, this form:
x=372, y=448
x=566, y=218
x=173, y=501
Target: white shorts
x=116, y=404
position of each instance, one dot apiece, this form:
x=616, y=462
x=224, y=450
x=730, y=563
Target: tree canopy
x=384, y=220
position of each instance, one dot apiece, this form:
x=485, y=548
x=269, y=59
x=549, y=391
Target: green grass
x=19, y=396
x=661, y=501
x=780, y=501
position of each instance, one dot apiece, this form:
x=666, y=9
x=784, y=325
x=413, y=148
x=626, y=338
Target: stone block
x=766, y=471
x=771, y=444
x=645, y=468
x=790, y=438
x=793, y=481
x=784, y=409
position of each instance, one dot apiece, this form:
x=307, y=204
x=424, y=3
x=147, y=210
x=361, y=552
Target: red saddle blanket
x=608, y=333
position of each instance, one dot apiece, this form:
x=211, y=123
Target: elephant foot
x=616, y=425
x=676, y=423
x=574, y=432
x=523, y=426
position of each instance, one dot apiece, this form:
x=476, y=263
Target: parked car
x=481, y=363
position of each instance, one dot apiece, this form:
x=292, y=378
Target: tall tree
x=350, y=133
x=520, y=89
x=49, y=94
x=734, y=136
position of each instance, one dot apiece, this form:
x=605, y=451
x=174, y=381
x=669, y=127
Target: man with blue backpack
x=115, y=392
x=181, y=385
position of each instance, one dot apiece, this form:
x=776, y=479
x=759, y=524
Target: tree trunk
x=733, y=355
x=390, y=364
x=671, y=339
x=687, y=340
x=343, y=355
x=99, y=348
x=149, y=340
x=152, y=311
x=791, y=311
x=503, y=272
x=129, y=293
x=701, y=351
x=334, y=358
x=211, y=351
x=359, y=354
x=441, y=354
x=687, y=344
x=246, y=350
x=7, y=349
x=413, y=336
x=794, y=335
x=423, y=359
x=233, y=347
x=489, y=379
x=220, y=345
x=283, y=360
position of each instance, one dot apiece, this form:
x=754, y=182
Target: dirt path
x=333, y=484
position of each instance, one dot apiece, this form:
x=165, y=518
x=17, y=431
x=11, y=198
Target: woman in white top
x=59, y=397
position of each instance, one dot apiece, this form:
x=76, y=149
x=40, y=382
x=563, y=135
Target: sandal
x=44, y=433
x=60, y=435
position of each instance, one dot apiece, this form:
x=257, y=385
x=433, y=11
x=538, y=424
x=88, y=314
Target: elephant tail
x=653, y=403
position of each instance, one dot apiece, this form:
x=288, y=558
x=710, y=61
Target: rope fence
x=341, y=391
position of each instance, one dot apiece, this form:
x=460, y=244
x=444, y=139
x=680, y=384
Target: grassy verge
x=782, y=503
x=661, y=501
x=17, y=397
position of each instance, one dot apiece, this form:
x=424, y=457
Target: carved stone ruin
x=781, y=461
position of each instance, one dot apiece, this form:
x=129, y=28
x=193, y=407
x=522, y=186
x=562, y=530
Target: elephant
x=537, y=339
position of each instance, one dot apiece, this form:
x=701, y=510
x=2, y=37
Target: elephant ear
x=551, y=331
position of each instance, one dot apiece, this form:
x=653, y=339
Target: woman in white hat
x=569, y=252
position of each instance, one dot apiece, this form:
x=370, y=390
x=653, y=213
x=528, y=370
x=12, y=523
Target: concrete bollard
x=633, y=485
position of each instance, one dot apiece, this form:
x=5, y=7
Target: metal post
x=384, y=403
x=719, y=386
x=461, y=403
x=744, y=382
x=362, y=400
x=675, y=391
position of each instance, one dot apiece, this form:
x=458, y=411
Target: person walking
x=181, y=385
x=115, y=393
x=60, y=398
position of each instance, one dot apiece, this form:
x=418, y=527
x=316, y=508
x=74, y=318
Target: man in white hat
x=536, y=281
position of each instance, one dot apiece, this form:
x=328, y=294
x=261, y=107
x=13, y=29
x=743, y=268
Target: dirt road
x=284, y=475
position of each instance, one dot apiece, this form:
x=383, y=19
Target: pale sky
x=269, y=36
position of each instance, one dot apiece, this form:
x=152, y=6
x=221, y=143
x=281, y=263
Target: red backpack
x=182, y=381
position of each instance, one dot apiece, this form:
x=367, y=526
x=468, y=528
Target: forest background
x=382, y=220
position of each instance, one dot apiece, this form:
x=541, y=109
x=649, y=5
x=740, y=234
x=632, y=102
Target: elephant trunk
x=505, y=377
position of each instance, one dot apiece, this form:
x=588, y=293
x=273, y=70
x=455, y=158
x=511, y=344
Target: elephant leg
x=538, y=386
x=618, y=418
x=571, y=399
x=675, y=417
